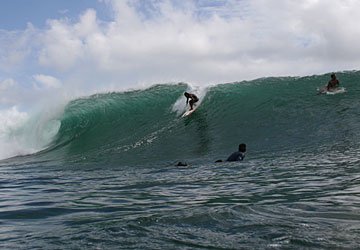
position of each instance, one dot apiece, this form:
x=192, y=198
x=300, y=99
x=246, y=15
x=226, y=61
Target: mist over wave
x=144, y=126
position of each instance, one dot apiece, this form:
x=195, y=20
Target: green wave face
x=270, y=115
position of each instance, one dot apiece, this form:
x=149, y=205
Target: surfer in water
x=333, y=83
x=193, y=98
x=238, y=155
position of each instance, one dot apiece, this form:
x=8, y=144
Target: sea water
x=102, y=173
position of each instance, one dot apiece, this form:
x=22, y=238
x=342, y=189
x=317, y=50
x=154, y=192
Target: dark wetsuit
x=236, y=156
x=193, y=99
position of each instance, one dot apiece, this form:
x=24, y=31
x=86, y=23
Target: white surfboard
x=336, y=91
x=331, y=92
x=189, y=112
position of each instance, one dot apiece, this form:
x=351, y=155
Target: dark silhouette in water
x=333, y=83
x=238, y=155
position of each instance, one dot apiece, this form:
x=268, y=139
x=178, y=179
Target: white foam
x=11, y=121
x=21, y=133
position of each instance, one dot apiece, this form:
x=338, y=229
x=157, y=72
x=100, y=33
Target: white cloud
x=61, y=47
x=46, y=81
x=15, y=47
x=285, y=38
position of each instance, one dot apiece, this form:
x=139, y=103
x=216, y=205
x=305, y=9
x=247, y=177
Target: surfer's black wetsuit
x=193, y=98
x=236, y=156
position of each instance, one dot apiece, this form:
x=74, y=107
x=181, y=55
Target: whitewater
x=99, y=171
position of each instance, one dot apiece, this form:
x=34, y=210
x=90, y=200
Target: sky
x=60, y=49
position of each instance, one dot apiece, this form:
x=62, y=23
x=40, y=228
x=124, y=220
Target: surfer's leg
x=191, y=104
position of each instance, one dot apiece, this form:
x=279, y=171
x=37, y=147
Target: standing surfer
x=193, y=98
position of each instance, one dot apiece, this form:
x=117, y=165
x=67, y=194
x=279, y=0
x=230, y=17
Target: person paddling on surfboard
x=333, y=83
x=193, y=98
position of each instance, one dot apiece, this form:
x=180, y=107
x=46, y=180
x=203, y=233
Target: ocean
x=101, y=172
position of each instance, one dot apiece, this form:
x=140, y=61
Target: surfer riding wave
x=193, y=99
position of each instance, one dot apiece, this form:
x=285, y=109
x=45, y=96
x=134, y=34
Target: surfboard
x=189, y=112
x=331, y=92
x=336, y=91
